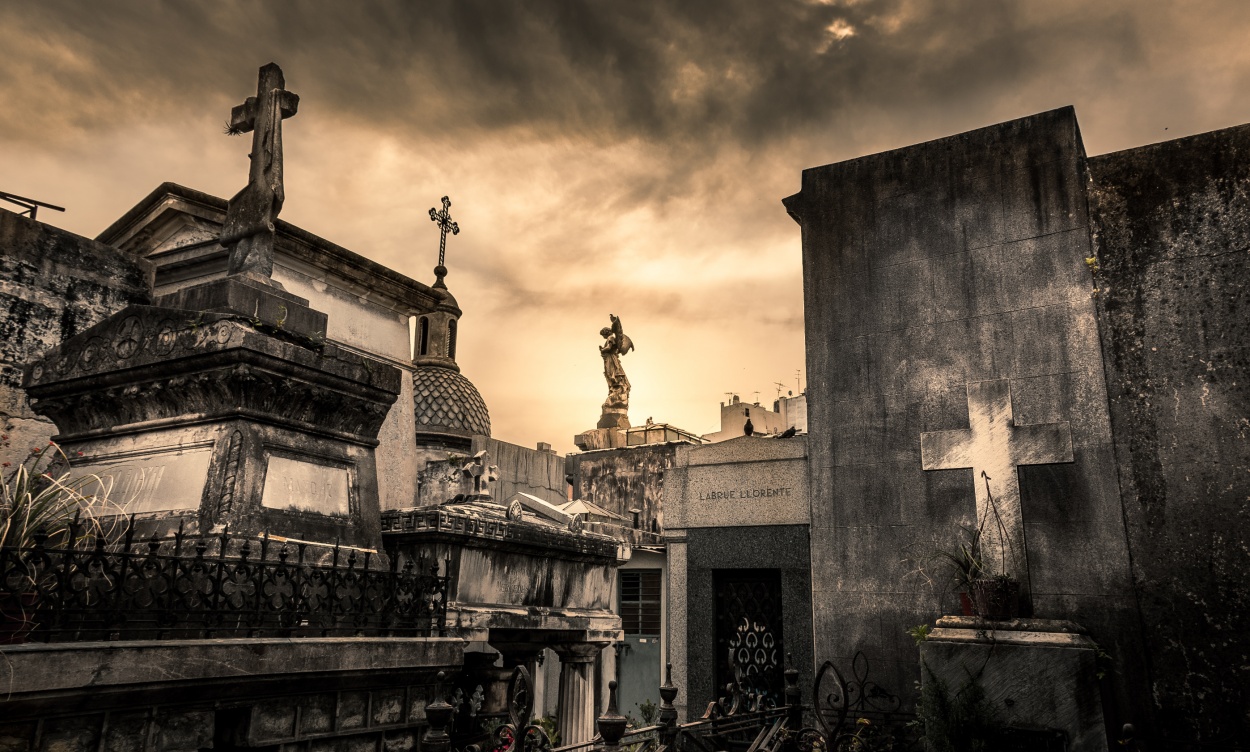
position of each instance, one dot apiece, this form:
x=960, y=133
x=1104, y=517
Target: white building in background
x=787, y=412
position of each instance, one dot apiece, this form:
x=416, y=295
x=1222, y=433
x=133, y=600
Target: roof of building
x=445, y=402
x=132, y=233
x=581, y=506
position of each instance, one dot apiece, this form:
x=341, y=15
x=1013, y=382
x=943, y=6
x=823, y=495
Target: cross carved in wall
x=994, y=446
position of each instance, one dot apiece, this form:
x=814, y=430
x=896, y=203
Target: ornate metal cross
x=443, y=218
x=248, y=231
x=994, y=446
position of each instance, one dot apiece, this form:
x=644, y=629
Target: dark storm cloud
x=689, y=75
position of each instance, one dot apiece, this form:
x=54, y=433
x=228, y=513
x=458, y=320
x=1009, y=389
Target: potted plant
x=963, y=566
x=39, y=497
x=985, y=580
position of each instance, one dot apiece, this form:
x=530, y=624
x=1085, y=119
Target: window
x=423, y=337
x=451, y=339
x=640, y=602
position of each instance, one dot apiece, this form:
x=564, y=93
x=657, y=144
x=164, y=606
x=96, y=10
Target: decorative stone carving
x=248, y=231
x=179, y=363
x=994, y=446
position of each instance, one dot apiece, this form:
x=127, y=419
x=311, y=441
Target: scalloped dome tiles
x=447, y=402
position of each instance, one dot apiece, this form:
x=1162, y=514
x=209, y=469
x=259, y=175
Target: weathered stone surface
x=524, y=470
x=302, y=486
x=53, y=285
x=742, y=482
x=135, y=393
x=261, y=303
x=369, y=305
x=1039, y=679
x=510, y=574
x=600, y=438
x=54, y=668
x=1172, y=229
x=928, y=270
x=625, y=479
x=180, y=696
x=161, y=479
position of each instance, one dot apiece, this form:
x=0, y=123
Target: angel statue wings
x=615, y=344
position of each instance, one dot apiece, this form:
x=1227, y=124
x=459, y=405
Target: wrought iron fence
x=857, y=713
x=88, y=590
x=741, y=720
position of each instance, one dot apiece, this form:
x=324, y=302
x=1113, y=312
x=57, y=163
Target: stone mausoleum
x=999, y=325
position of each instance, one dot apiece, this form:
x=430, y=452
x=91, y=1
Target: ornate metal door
x=748, y=629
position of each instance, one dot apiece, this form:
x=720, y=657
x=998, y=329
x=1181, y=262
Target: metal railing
x=742, y=720
x=88, y=590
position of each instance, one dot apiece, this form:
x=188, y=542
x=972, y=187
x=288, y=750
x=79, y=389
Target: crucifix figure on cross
x=248, y=232
x=994, y=446
x=445, y=225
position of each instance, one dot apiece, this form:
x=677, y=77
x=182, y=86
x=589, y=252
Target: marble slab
x=303, y=486
x=156, y=481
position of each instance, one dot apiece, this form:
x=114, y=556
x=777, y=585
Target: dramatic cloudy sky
x=624, y=156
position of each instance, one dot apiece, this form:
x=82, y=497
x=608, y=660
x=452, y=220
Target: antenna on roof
x=779, y=386
x=798, y=385
x=30, y=205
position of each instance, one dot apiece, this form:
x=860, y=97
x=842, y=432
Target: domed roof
x=448, y=403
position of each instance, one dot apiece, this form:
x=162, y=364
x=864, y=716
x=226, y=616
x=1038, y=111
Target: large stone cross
x=994, y=446
x=248, y=232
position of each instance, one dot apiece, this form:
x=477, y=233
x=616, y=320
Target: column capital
x=518, y=653
x=579, y=652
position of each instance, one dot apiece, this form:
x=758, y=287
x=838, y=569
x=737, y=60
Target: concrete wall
x=379, y=331
x=53, y=285
x=627, y=478
x=1172, y=223
x=532, y=471
x=926, y=270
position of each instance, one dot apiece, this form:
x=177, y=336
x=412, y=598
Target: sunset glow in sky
x=623, y=157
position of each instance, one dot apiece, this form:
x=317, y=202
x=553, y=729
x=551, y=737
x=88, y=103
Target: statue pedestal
x=600, y=438
x=1039, y=675
x=265, y=304
x=614, y=417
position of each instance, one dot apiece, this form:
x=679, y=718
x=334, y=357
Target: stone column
x=577, y=691
x=529, y=656
x=676, y=629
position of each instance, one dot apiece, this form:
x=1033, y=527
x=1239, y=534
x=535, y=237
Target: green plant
x=548, y=724
x=963, y=565
x=649, y=711
x=1091, y=262
x=919, y=633
x=1103, y=663
x=42, y=495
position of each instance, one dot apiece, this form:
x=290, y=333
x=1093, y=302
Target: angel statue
x=615, y=344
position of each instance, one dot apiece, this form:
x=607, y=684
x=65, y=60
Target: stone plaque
x=304, y=486
x=755, y=493
x=159, y=481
